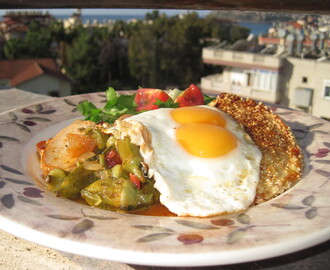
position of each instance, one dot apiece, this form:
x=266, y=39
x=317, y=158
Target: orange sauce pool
x=158, y=210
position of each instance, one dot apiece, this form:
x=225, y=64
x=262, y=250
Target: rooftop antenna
x=300, y=39
x=290, y=39
x=321, y=37
x=314, y=38
x=281, y=34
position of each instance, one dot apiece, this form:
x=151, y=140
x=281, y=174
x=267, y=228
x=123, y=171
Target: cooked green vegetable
x=99, y=137
x=118, y=193
x=111, y=141
x=118, y=171
x=111, y=178
x=55, y=178
x=78, y=179
x=130, y=156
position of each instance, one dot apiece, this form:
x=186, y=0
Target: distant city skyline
x=103, y=11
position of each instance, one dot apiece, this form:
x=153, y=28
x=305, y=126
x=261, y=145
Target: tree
x=188, y=33
x=36, y=44
x=157, y=52
x=82, y=55
x=14, y=49
x=167, y=51
x=113, y=61
x=142, y=55
x=238, y=32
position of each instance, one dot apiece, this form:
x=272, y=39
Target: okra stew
x=109, y=173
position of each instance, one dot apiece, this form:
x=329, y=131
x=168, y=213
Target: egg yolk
x=205, y=140
x=193, y=114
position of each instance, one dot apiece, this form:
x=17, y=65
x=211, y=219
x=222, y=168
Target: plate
x=297, y=219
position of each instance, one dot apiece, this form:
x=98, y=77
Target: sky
x=169, y=12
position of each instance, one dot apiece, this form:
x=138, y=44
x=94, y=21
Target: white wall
x=45, y=84
x=317, y=74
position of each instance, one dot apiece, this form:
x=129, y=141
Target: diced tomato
x=112, y=158
x=192, y=96
x=135, y=180
x=79, y=144
x=146, y=97
x=41, y=145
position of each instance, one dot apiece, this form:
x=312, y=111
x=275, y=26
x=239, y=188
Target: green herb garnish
x=116, y=106
x=166, y=104
x=208, y=99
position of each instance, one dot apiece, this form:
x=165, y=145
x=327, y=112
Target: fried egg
x=202, y=161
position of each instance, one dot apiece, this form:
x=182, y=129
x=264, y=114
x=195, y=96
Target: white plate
x=298, y=219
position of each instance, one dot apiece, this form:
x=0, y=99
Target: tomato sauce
x=156, y=210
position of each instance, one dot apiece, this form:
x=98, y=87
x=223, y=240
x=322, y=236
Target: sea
x=255, y=28
x=101, y=18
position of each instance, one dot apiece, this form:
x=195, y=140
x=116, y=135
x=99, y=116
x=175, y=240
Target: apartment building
x=247, y=74
x=286, y=71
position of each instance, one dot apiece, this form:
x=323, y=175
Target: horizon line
x=106, y=11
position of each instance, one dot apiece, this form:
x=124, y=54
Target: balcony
x=217, y=56
x=215, y=84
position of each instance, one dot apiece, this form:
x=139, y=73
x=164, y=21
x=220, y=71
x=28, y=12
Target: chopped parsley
x=118, y=105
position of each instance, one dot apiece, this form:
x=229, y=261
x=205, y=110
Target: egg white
x=191, y=185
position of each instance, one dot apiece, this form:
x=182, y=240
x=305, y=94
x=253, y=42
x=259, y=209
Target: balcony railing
x=214, y=84
x=225, y=57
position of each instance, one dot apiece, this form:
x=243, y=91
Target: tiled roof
x=19, y=71
x=10, y=25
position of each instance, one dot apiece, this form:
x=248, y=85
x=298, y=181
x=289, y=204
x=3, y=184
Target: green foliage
x=167, y=51
x=157, y=52
x=14, y=49
x=36, y=44
x=238, y=32
x=82, y=55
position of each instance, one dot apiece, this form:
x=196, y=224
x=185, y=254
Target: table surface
x=20, y=254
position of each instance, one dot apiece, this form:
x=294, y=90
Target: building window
x=303, y=97
x=265, y=80
x=326, y=89
x=249, y=79
x=304, y=79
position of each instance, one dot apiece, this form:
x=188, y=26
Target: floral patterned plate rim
x=297, y=219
